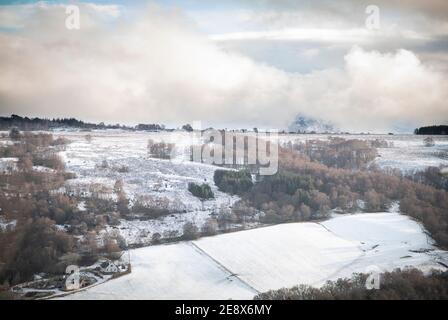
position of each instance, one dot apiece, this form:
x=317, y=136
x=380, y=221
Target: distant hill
x=25, y=123
x=309, y=125
x=438, y=130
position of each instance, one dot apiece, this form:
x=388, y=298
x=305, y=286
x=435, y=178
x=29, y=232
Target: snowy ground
x=237, y=265
x=8, y=164
x=146, y=179
x=407, y=153
x=152, y=180
x=5, y=224
x=170, y=272
x=240, y=264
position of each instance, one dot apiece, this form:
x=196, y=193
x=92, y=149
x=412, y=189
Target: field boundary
x=223, y=267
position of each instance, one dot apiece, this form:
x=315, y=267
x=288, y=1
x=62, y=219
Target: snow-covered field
x=240, y=264
x=176, y=271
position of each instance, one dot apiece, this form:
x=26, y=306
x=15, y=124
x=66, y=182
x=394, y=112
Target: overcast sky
x=228, y=63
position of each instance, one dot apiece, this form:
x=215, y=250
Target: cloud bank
x=154, y=66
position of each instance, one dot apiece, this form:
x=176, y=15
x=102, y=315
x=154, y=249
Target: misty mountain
x=304, y=124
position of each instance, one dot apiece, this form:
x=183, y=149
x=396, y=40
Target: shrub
x=14, y=134
x=210, y=227
x=429, y=142
x=150, y=211
x=156, y=237
x=50, y=160
x=60, y=141
x=123, y=169
x=187, y=127
x=202, y=191
x=190, y=231
x=160, y=150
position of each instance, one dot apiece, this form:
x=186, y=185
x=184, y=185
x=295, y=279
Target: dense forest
x=404, y=285
x=437, y=130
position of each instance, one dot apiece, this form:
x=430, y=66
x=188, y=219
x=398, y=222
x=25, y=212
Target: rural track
x=223, y=267
x=348, y=265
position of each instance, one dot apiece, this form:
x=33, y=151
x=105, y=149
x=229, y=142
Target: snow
x=236, y=265
x=81, y=206
x=146, y=179
x=170, y=272
x=407, y=152
x=7, y=225
x=152, y=180
x=282, y=255
x=240, y=264
x=140, y=232
x=305, y=124
x=43, y=169
x=387, y=240
x=8, y=164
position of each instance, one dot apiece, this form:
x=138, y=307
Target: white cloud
x=110, y=10
x=378, y=90
x=159, y=68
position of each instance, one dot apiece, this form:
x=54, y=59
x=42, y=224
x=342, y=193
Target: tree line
x=409, y=284
x=432, y=130
x=340, y=153
x=34, y=124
